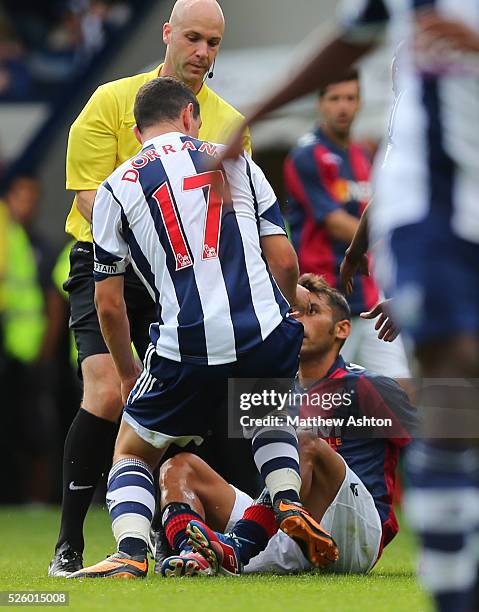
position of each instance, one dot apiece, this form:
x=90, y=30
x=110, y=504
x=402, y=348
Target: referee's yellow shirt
x=101, y=138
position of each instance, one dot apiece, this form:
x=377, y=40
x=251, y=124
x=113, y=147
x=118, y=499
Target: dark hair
x=338, y=303
x=18, y=178
x=162, y=99
x=350, y=75
x=336, y=300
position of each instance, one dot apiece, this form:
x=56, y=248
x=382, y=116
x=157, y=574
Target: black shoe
x=162, y=548
x=65, y=562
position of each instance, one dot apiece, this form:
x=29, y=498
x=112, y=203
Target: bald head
x=192, y=37
x=188, y=10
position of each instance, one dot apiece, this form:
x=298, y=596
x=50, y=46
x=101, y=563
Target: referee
x=100, y=139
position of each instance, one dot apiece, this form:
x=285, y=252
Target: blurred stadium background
x=53, y=54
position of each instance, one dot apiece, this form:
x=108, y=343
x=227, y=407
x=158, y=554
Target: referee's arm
x=92, y=147
x=84, y=202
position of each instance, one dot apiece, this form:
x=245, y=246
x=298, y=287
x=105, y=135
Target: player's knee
x=307, y=443
x=102, y=392
x=104, y=401
x=312, y=449
x=182, y=466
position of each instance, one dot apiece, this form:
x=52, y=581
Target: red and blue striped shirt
x=371, y=451
x=321, y=177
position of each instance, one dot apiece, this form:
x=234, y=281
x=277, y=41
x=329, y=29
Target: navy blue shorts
x=436, y=286
x=177, y=402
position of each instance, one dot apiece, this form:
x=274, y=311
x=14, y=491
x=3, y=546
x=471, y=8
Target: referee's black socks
x=87, y=454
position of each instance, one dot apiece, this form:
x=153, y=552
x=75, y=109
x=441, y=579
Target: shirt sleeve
x=110, y=248
x=383, y=398
x=305, y=184
x=363, y=21
x=93, y=142
x=247, y=146
x=271, y=220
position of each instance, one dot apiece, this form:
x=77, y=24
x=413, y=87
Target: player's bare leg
x=101, y=391
x=443, y=500
x=322, y=473
x=131, y=503
x=188, y=479
x=88, y=451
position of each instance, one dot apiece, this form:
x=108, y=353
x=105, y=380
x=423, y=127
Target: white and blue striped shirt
x=434, y=164
x=199, y=256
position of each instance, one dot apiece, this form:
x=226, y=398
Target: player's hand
x=434, y=28
x=127, y=384
x=302, y=302
x=349, y=268
x=387, y=328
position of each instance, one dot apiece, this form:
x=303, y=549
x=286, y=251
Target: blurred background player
x=347, y=482
x=3, y=269
x=426, y=207
x=30, y=330
x=327, y=178
x=100, y=139
x=221, y=269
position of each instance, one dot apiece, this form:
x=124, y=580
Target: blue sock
x=250, y=538
x=256, y=527
x=131, y=503
x=443, y=507
x=135, y=547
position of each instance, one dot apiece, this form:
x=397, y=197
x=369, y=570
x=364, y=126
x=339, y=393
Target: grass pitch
x=27, y=537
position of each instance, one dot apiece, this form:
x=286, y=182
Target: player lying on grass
x=348, y=477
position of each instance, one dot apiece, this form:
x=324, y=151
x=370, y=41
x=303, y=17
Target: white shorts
x=352, y=520
x=365, y=348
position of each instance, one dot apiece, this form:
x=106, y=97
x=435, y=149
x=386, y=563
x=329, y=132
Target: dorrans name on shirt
x=140, y=161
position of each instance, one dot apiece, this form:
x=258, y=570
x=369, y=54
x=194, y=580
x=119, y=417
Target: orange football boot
x=317, y=545
x=119, y=565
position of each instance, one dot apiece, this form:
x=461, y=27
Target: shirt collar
x=321, y=136
x=339, y=364
x=201, y=95
x=150, y=141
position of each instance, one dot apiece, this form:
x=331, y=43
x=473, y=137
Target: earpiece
x=210, y=72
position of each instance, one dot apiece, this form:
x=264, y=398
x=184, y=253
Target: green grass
x=27, y=537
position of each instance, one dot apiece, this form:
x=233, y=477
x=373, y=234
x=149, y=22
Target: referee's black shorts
x=83, y=317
